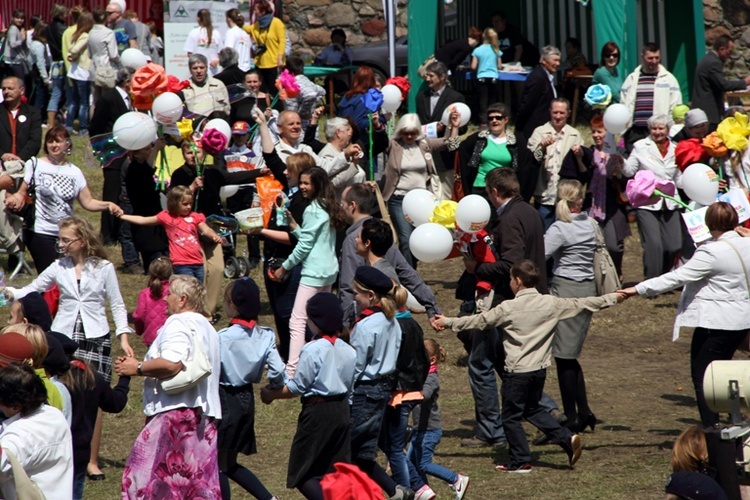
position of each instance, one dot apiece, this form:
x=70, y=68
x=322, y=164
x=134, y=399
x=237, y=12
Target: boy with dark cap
x=246, y=349
x=324, y=378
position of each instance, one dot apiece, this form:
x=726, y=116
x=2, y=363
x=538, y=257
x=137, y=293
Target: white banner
x=175, y=57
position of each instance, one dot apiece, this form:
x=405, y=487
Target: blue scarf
x=265, y=20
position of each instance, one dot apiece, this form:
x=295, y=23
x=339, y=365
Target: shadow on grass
x=679, y=400
x=447, y=285
x=671, y=305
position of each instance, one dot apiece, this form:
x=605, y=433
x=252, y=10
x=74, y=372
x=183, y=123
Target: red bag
x=458, y=186
x=349, y=483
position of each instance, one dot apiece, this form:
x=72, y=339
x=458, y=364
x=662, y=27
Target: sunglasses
x=614, y=55
x=495, y=117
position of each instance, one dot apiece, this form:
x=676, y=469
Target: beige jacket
x=79, y=51
x=213, y=96
x=528, y=323
x=395, y=153
x=551, y=159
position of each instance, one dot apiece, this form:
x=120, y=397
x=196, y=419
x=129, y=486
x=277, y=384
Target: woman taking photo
x=55, y=183
x=715, y=301
x=487, y=150
x=659, y=223
x=181, y=429
x=205, y=40
x=269, y=36
x=571, y=241
x=410, y=166
x=608, y=73
x=486, y=60
x=80, y=86
x=86, y=280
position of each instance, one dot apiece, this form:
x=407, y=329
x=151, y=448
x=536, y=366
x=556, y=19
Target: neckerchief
x=264, y=21
x=329, y=338
x=248, y=323
x=369, y=312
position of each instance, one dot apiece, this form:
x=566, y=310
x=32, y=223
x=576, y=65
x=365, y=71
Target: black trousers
x=110, y=225
x=710, y=345
x=43, y=249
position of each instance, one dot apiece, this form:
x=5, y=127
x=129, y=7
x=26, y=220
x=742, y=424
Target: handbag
x=192, y=372
x=104, y=76
x=605, y=272
x=458, y=185
x=26, y=489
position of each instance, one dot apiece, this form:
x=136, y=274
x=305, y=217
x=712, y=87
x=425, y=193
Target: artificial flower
x=445, y=214
x=402, y=84
x=373, y=100
x=645, y=187
x=688, y=152
x=213, y=141
x=287, y=84
x=598, y=96
x=147, y=82
x=185, y=127
x=174, y=85
x=733, y=131
x=714, y=146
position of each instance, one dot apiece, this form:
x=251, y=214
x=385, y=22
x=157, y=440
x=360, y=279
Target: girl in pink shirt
x=151, y=309
x=183, y=227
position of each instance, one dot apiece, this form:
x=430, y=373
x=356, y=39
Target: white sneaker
x=424, y=493
x=460, y=486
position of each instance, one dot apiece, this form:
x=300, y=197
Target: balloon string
x=369, y=152
x=672, y=198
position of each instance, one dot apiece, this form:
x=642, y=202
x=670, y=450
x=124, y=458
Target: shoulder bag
x=28, y=211
x=192, y=372
x=605, y=272
x=26, y=489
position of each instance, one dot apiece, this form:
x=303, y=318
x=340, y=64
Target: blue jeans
x=58, y=91
x=195, y=270
x=78, y=104
x=41, y=94
x=79, y=481
x=402, y=226
x=393, y=443
x=548, y=215
x=421, y=451
x=367, y=413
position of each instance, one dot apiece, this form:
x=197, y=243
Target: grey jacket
x=102, y=47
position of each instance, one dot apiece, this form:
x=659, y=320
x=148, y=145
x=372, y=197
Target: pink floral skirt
x=173, y=458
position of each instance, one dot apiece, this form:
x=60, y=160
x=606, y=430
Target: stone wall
x=730, y=17
x=310, y=22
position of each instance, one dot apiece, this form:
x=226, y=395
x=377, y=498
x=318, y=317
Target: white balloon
x=133, y=58
x=167, y=108
x=430, y=242
x=462, y=109
x=700, y=183
x=228, y=191
x=418, y=206
x=391, y=98
x=134, y=130
x=616, y=118
x=472, y=213
x=220, y=125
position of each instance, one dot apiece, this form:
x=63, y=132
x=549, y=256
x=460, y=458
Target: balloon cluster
x=432, y=240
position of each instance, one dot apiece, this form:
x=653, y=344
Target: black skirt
x=237, y=426
x=322, y=439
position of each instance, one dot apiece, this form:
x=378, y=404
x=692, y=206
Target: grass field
x=638, y=383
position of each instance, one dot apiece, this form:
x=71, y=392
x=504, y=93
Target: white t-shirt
x=197, y=43
x=56, y=188
x=239, y=40
x=43, y=445
x=174, y=342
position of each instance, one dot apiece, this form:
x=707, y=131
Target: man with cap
x=710, y=84
x=246, y=349
x=324, y=378
x=693, y=486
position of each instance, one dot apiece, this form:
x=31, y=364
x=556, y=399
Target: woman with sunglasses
x=608, y=73
x=487, y=150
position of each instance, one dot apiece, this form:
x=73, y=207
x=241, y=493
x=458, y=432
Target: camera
x=260, y=49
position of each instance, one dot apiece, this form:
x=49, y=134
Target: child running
x=324, y=378
x=528, y=323
x=183, y=227
x=151, y=309
x=428, y=429
x=246, y=349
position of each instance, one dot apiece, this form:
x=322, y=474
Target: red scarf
x=329, y=338
x=369, y=312
x=248, y=323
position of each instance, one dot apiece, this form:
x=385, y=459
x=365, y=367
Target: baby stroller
x=226, y=226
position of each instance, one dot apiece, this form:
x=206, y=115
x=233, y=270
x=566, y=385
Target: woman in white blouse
x=238, y=39
x=716, y=299
x=658, y=224
x=181, y=429
x=205, y=40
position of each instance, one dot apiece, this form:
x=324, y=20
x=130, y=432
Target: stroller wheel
x=245, y=266
x=232, y=268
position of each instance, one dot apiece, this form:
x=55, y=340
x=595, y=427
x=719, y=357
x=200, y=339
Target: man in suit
x=109, y=108
x=430, y=107
x=533, y=111
x=709, y=84
x=20, y=139
x=518, y=235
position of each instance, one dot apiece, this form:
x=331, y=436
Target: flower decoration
x=688, y=152
x=174, y=85
x=185, y=127
x=402, y=84
x=213, y=141
x=714, y=146
x=445, y=214
x=287, y=85
x=148, y=82
x=598, y=96
x=733, y=131
x=373, y=100
x=645, y=187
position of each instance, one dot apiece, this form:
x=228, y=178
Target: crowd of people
x=337, y=266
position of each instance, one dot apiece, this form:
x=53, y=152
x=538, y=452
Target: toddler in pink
x=151, y=309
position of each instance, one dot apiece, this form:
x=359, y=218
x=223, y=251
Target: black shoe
x=573, y=448
x=215, y=318
x=581, y=422
x=254, y=262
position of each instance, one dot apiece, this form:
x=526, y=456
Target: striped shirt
x=644, y=99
